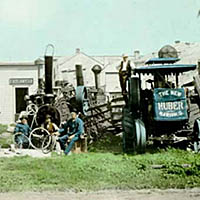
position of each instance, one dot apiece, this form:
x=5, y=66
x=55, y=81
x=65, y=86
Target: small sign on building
x=21, y=81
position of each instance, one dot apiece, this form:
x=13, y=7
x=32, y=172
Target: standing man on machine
x=125, y=68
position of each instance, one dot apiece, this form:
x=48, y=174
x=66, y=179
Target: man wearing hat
x=53, y=130
x=72, y=130
x=23, y=130
x=49, y=125
x=125, y=68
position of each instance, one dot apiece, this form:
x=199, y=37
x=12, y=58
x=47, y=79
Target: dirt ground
x=171, y=194
x=23, y=152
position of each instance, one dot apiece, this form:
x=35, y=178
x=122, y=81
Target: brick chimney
x=78, y=50
x=136, y=54
x=154, y=54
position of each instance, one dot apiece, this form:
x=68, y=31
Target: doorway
x=19, y=96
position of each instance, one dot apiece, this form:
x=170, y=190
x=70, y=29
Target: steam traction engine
x=163, y=111
x=80, y=99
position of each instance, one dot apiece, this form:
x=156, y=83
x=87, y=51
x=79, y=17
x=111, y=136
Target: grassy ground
x=4, y=141
x=104, y=167
x=3, y=128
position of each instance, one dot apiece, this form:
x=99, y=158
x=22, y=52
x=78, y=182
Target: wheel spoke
x=37, y=136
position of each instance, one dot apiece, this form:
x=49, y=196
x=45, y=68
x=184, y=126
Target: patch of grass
x=4, y=141
x=108, y=143
x=3, y=128
x=97, y=171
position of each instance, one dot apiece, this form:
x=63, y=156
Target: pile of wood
x=104, y=118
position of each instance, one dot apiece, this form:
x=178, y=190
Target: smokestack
x=97, y=69
x=39, y=63
x=48, y=74
x=79, y=75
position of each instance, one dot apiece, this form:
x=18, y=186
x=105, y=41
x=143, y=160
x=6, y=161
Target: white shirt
x=125, y=64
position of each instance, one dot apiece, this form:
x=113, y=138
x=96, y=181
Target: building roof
x=10, y=64
x=188, y=52
x=66, y=63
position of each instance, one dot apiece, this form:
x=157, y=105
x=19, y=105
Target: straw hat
x=124, y=55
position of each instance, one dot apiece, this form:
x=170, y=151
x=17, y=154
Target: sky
x=97, y=27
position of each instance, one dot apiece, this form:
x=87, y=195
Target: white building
x=20, y=78
x=16, y=80
x=109, y=78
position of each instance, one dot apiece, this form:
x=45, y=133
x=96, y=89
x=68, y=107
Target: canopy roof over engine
x=164, y=66
x=161, y=60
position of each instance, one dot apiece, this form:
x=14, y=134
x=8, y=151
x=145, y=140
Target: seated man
x=50, y=126
x=53, y=130
x=22, y=131
x=73, y=128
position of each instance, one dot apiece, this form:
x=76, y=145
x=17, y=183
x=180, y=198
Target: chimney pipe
x=39, y=63
x=48, y=74
x=97, y=69
x=78, y=50
x=79, y=75
x=177, y=41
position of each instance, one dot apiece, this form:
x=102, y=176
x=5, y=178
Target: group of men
x=66, y=136
x=74, y=127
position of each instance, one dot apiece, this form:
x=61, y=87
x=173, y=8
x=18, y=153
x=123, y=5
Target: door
x=20, y=102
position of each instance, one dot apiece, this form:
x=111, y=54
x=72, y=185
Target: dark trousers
x=63, y=140
x=22, y=140
x=123, y=78
x=70, y=145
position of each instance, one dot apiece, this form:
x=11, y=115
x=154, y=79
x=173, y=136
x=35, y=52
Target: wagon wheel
x=140, y=140
x=17, y=140
x=64, y=108
x=31, y=109
x=37, y=136
x=48, y=110
x=81, y=99
x=196, y=132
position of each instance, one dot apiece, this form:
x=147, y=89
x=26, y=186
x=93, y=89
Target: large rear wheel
x=134, y=133
x=140, y=140
x=196, y=132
